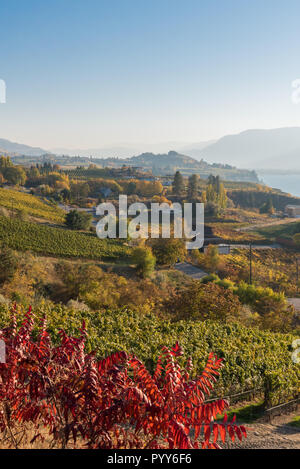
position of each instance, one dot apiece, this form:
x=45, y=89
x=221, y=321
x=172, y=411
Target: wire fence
x=259, y=393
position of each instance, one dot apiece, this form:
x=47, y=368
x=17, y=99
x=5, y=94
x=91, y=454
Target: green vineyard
x=59, y=242
x=15, y=200
x=252, y=358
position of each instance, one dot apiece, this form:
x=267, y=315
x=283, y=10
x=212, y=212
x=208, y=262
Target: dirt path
x=275, y=435
x=272, y=223
x=190, y=270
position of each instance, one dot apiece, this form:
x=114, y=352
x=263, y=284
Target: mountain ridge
x=257, y=148
x=277, y=148
x=8, y=147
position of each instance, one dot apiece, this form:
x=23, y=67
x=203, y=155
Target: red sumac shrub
x=76, y=400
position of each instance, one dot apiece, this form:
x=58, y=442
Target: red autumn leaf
x=110, y=403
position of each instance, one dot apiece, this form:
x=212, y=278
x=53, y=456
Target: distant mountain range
x=127, y=150
x=168, y=163
x=257, y=149
x=124, y=150
x=162, y=164
x=195, y=149
x=12, y=148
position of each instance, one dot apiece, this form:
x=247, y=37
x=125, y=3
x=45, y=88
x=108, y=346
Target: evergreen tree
x=193, y=186
x=267, y=207
x=178, y=183
x=78, y=220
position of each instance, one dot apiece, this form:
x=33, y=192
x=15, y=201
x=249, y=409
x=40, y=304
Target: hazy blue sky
x=84, y=73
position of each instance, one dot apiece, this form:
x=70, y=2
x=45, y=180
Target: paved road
x=219, y=242
x=295, y=302
x=255, y=246
x=190, y=270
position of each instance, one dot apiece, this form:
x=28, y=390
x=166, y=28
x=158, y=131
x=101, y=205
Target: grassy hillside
x=15, y=200
x=286, y=230
x=255, y=198
x=60, y=242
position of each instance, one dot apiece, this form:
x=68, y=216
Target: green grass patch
x=295, y=422
x=286, y=230
x=248, y=413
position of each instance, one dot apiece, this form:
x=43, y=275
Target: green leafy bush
x=78, y=220
x=168, y=251
x=144, y=260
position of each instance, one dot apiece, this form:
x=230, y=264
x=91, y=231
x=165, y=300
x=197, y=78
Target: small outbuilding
x=222, y=248
x=292, y=211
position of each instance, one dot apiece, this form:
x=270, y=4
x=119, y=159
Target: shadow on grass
x=248, y=413
x=295, y=423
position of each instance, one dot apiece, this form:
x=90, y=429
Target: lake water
x=286, y=182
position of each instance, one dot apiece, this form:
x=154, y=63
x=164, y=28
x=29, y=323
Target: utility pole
x=250, y=262
x=297, y=273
